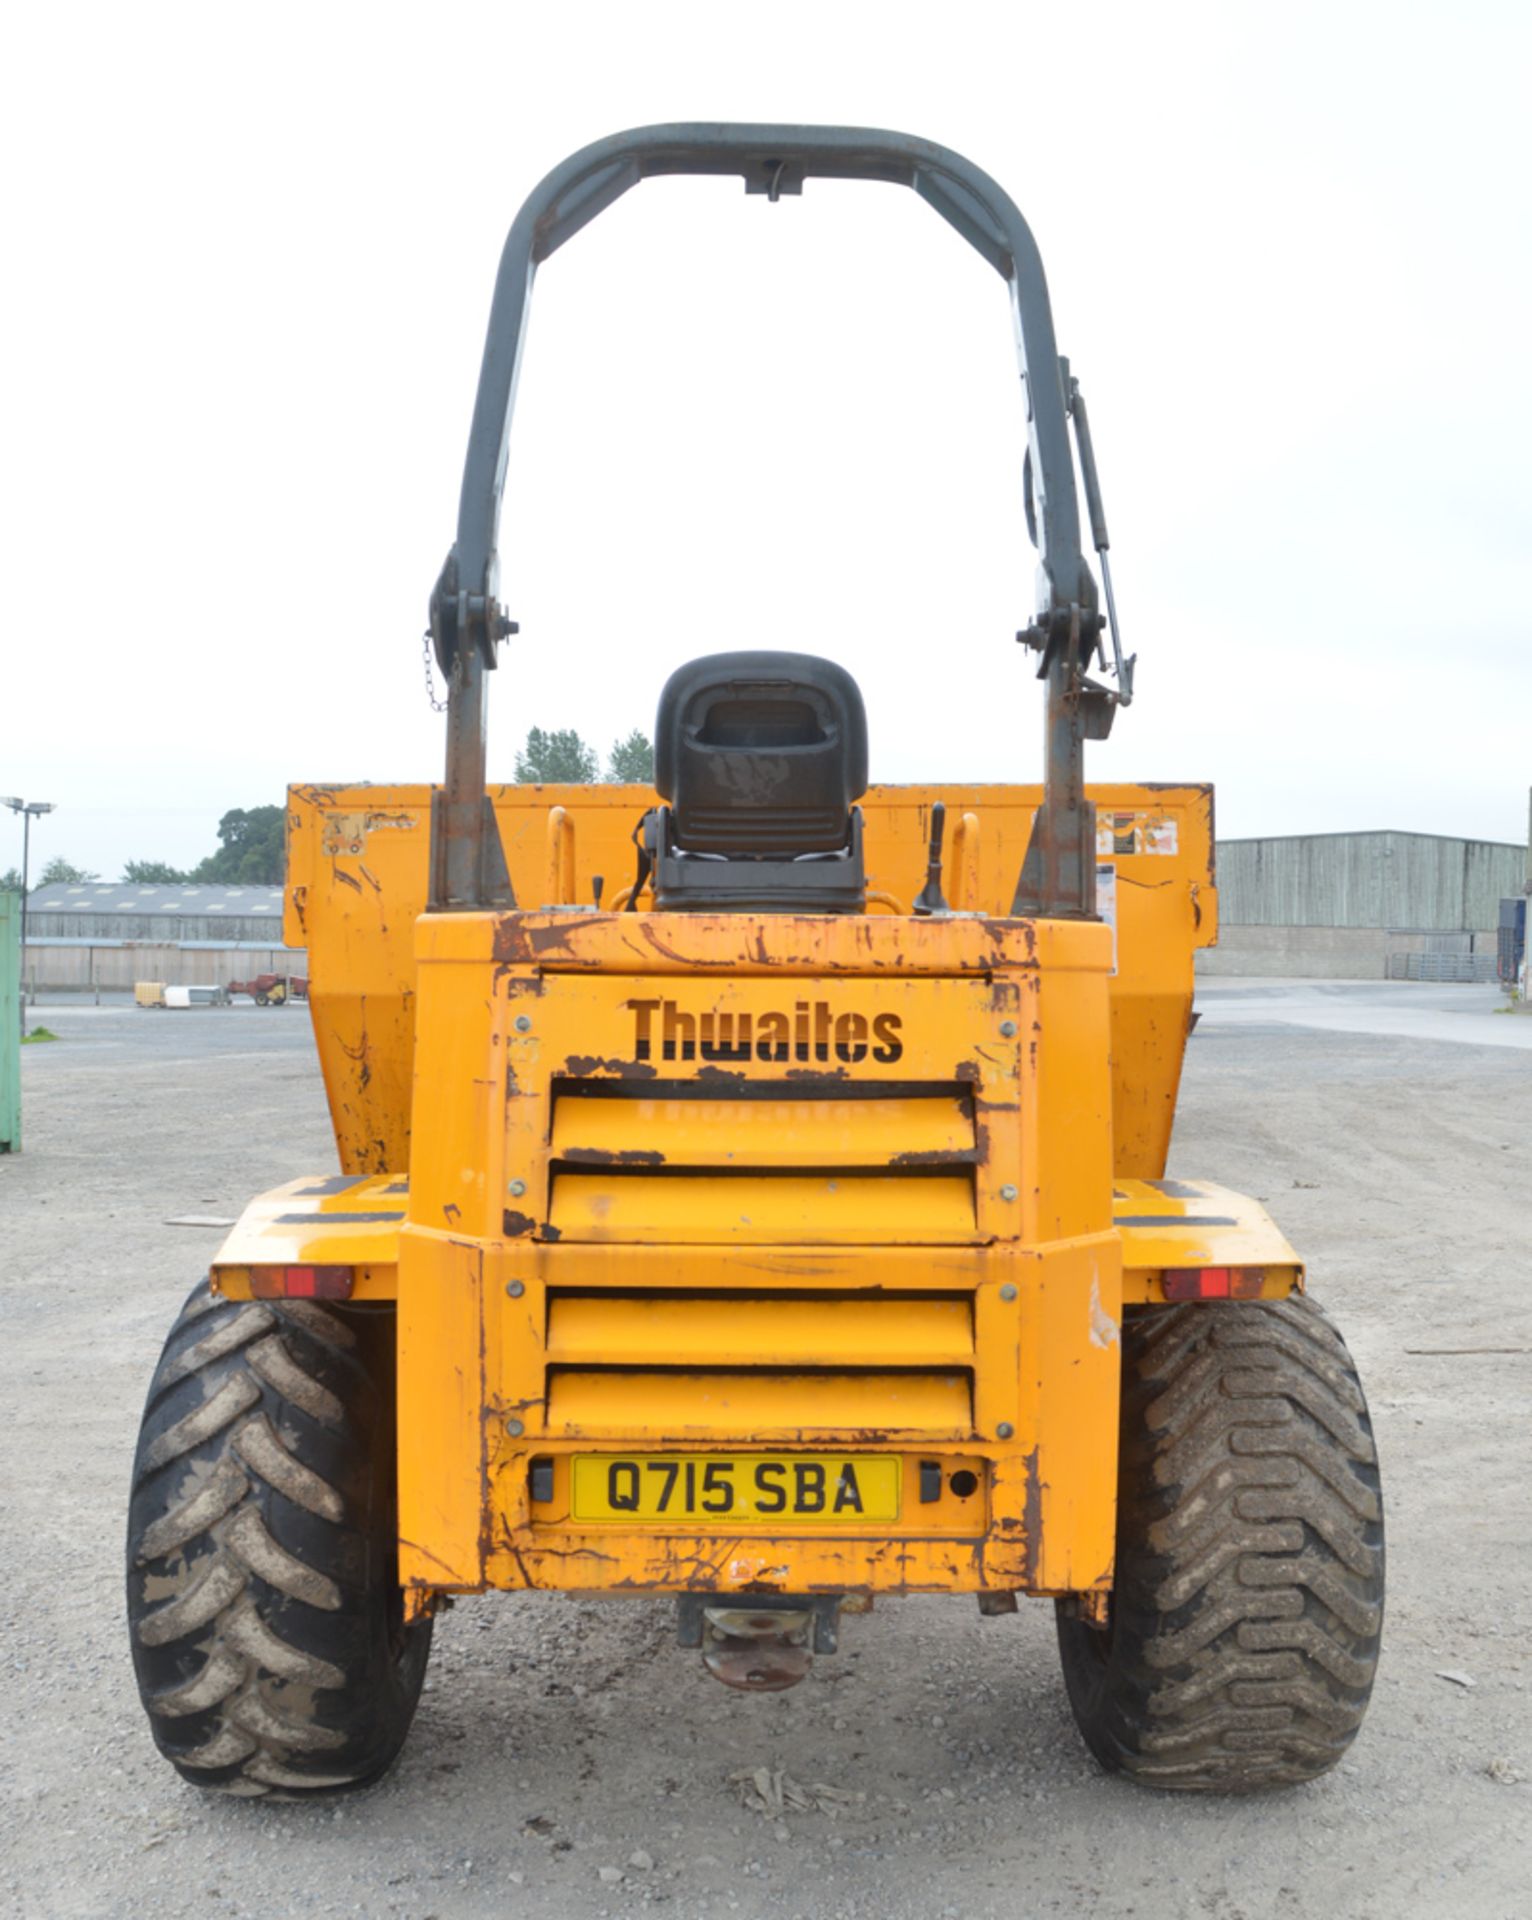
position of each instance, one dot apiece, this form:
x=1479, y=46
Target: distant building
x=109, y=935
x=1357, y=906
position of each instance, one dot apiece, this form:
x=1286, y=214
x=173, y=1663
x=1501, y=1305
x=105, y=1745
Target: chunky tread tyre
x=263, y=1598
x=1245, y=1620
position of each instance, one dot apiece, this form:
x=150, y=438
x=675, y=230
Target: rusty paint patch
x=584, y=1065
x=498, y=1409
x=348, y=879
x=1032, y=1516
x=982, y=1106
x=517, y=1225
x=516, y=942
x=613, y=1157
x=937, y=1157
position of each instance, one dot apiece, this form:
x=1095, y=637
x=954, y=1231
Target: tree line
x=562, y=756
x=250, y=849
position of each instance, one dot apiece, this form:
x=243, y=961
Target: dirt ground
x=558, y=1739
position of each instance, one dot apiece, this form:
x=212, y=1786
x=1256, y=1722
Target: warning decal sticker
x=1118, y=834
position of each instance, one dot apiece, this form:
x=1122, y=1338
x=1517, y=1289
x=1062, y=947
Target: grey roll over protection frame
x=466, y=618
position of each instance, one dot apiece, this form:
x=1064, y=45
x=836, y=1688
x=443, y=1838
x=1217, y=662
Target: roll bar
x=466, y=618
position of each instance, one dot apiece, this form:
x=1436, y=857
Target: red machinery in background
x=273, y=989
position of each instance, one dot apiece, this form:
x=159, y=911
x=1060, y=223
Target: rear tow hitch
x=764, y=1646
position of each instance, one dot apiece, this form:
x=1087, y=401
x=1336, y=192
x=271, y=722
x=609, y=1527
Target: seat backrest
x=761, y=753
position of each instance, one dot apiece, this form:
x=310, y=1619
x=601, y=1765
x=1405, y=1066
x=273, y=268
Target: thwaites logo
x=813, y=1031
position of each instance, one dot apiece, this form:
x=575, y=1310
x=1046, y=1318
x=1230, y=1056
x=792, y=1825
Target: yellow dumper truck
x=752, y=1190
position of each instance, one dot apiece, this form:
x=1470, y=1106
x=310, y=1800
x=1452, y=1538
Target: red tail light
x=1213, y=1283
x=302, y=1283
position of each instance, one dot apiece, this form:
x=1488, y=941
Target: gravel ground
x=569, y=1760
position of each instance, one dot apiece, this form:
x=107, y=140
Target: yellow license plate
x=735, y=1489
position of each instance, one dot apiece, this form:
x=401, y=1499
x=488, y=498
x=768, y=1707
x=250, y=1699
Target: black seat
x=762, y=756
x=761, y=753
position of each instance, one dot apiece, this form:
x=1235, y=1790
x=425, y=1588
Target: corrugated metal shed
x=1421, y=882
x=123, y=911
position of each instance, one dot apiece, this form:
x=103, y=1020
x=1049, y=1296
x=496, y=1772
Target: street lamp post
x=27, y=809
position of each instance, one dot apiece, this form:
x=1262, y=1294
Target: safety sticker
x=1106, y=903
x=1127, y=833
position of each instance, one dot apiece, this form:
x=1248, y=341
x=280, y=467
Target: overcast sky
x=249, y=256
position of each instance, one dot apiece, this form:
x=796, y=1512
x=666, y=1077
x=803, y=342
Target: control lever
x=931, y=899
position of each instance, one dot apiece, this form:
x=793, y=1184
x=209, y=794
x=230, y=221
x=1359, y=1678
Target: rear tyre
x=264, y=1604
x=1244, y=1626
x=263, y=999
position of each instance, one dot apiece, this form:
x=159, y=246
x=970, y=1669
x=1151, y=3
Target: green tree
x=153, y=873
x=252, y=853
x=632, y=760
x=558, y=756
x=61, y=871
x=10, y=880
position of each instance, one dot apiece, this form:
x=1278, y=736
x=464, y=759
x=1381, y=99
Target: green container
x=10, y=1022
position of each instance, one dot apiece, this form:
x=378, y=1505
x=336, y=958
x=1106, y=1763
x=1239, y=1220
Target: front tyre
x=1244, y=1625
x=264, y=1604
